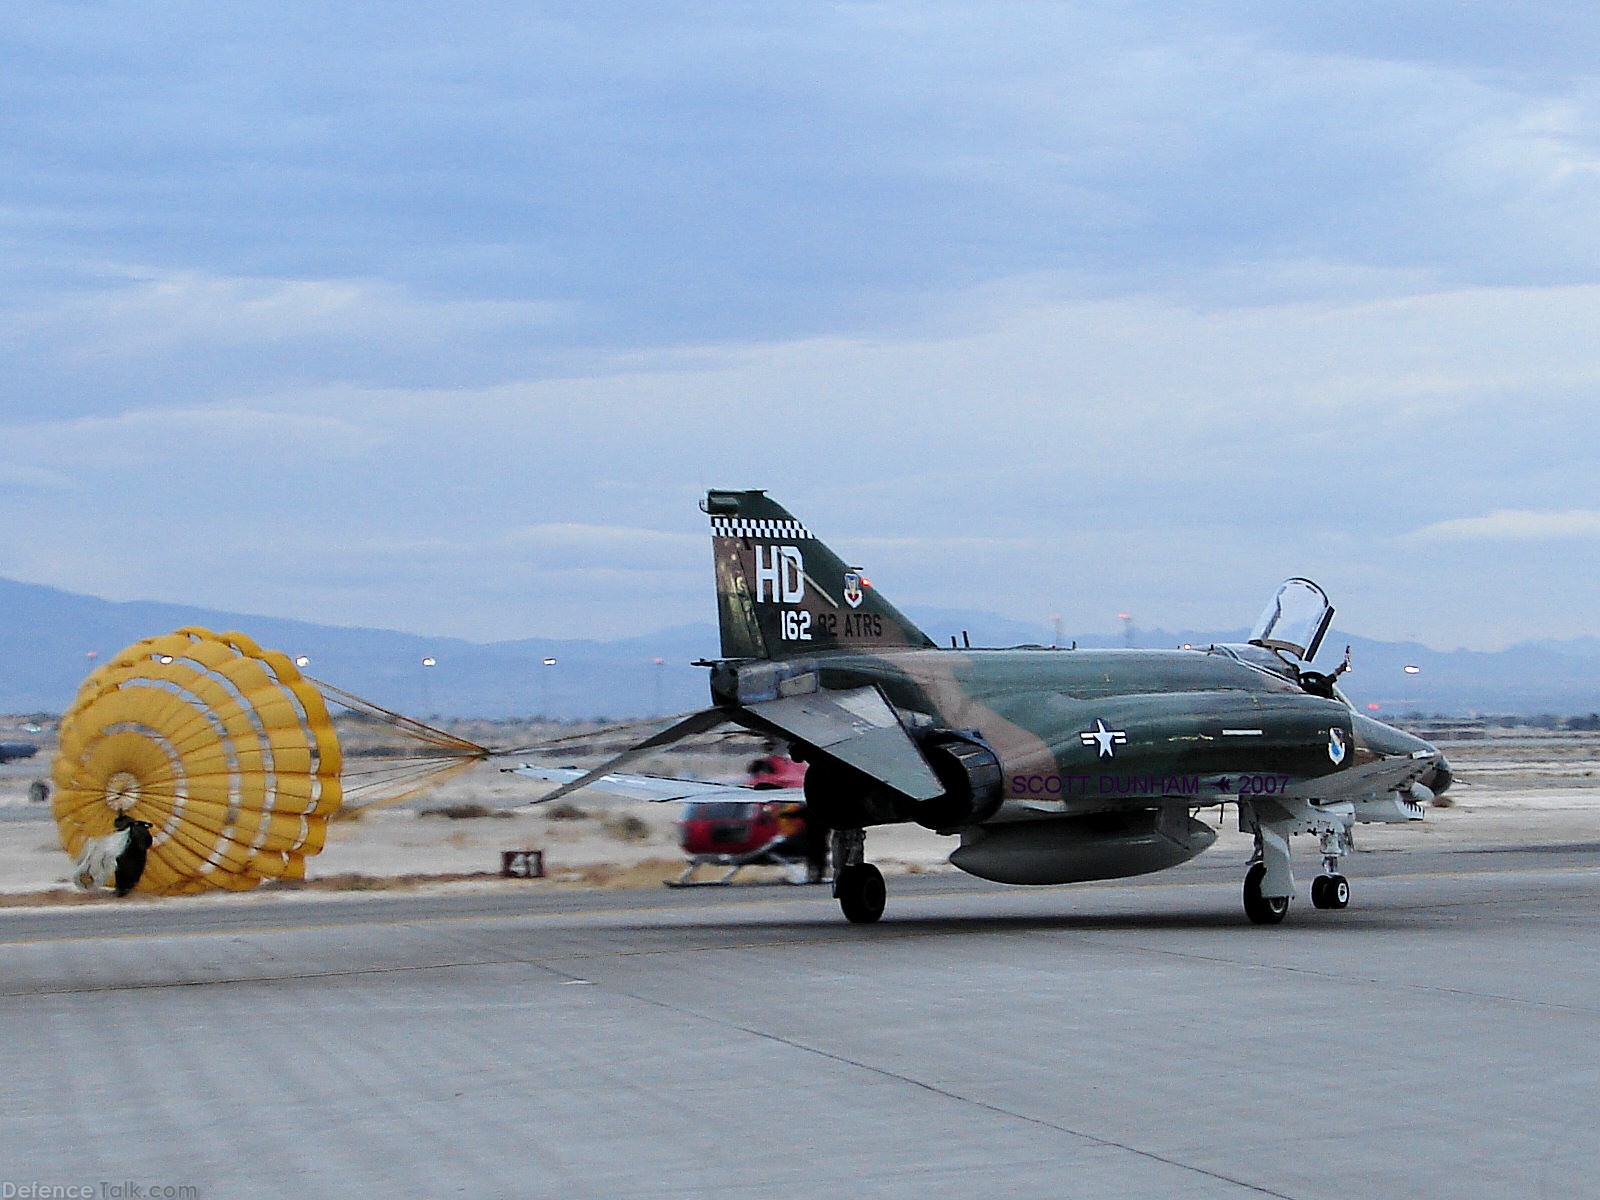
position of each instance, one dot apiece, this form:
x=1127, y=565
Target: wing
x=690, y=725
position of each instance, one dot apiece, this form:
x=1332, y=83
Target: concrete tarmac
x=1134, y=1038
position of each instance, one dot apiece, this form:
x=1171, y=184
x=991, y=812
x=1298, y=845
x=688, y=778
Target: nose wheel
x=1330, y=891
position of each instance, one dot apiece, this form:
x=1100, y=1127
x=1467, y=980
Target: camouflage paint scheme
x=1033, y=705
x=1074, y=764
x=1052, y=765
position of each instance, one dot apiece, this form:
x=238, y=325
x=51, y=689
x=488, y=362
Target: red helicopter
x=730, y=825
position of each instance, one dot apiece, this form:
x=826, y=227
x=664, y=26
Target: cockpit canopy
x=1295, y=620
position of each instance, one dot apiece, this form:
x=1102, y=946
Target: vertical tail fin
x=782, y=593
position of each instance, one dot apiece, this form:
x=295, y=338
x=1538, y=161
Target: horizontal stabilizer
x=858, y=728
x=700, y=722
x=658, y=789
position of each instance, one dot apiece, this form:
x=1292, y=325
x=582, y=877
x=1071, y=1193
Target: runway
x=1136, y=1038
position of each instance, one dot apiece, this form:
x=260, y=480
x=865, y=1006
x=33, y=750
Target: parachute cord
x=417, y=730
x=410, y=784
x=612, y=738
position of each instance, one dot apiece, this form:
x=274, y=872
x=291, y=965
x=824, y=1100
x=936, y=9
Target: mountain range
x=50, y=639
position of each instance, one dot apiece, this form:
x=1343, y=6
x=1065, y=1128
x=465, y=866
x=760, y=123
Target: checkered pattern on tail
x=741, y=527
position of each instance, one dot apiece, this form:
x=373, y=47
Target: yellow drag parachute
x=229, y=754
x=223, y=747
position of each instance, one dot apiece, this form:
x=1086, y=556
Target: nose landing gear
x=1330, y=891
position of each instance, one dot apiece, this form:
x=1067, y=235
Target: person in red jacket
x=775, y=770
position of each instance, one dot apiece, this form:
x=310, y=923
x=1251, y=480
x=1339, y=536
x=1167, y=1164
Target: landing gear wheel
x=861, y=893
x=1330, y=891
x=1260, y=909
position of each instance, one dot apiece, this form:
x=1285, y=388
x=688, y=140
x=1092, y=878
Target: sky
x=442, y=317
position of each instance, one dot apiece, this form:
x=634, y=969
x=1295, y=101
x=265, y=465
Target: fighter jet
x=1052, y=765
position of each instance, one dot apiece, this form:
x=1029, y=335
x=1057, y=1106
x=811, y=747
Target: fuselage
x=1079, y=731
x=1052, y=765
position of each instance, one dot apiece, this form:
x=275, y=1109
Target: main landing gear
x=857, y=884
x=1262, y=910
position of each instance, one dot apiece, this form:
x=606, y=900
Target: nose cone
x=1386, y=741
x=1441, y=778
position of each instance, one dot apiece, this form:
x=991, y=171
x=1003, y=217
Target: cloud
x=577, y=546
x=1515, y=525
x=369, y=312
x=187, y=337
x=23, y=478
x=1518, y=42
x=707, y=173
x=263, y=438
x=1039, y=455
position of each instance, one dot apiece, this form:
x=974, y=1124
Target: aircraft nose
x=1438, y=781
x=1387, y=741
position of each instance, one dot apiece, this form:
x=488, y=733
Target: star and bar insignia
x=1103, y=737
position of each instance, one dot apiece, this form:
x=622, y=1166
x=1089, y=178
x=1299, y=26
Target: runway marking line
x=957, y=1097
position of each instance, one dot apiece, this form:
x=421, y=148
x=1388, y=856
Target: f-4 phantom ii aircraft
x=1053, y=766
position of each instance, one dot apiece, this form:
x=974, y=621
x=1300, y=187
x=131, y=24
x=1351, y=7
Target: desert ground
x=1513, y=788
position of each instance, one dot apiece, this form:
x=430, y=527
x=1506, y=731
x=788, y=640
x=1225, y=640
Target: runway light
x=164, y=658
x=302, y=661
x=1412, y=669
x=549, y=662
x=430, y=662
x=1374, y=707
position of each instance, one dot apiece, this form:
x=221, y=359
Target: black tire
x=1257, y=907
x=1338, y=891
x=1320, y=892
x=862, y=893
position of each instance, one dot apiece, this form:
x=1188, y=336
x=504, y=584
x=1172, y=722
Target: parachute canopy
x=230, y=755
x=221, y=746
